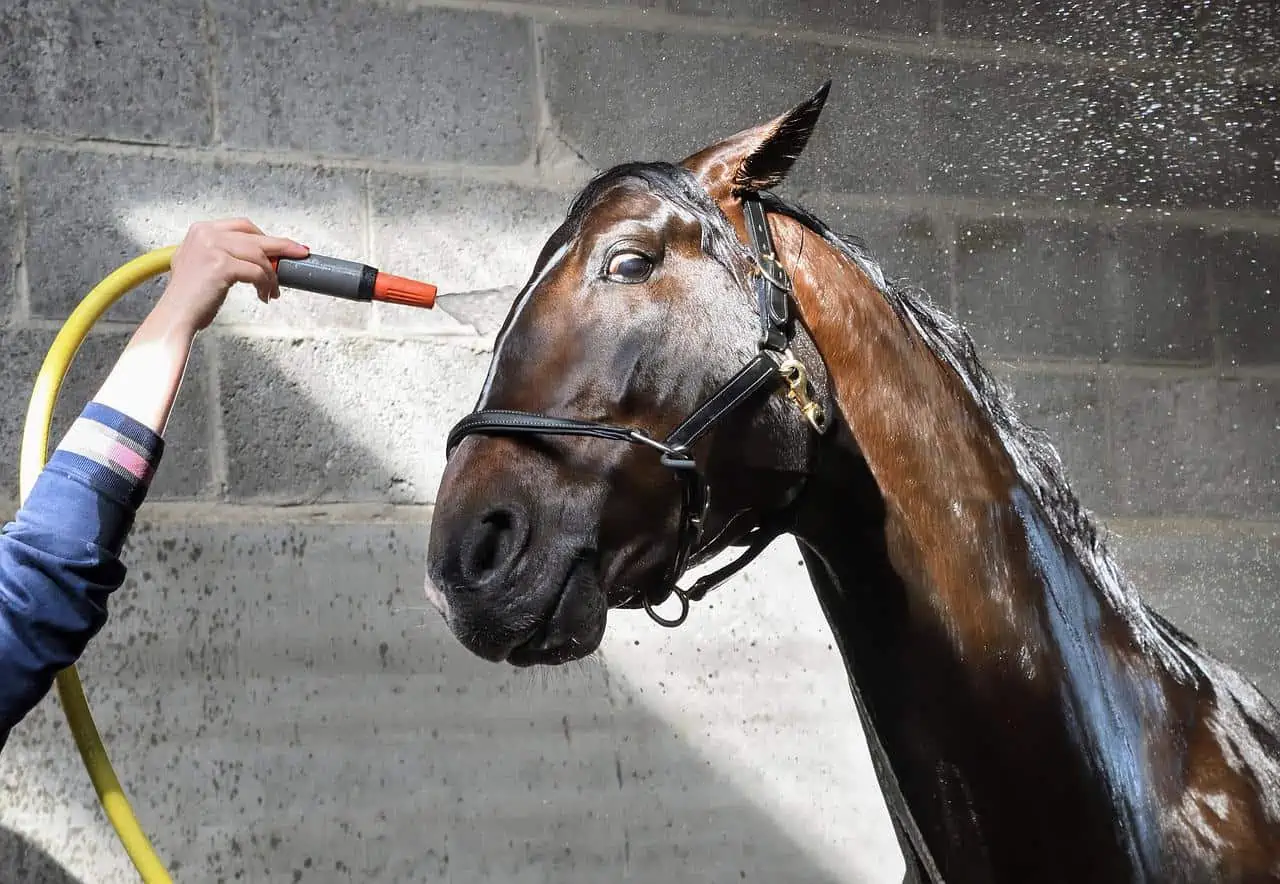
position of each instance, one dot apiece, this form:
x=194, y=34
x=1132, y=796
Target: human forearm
x=146, y=378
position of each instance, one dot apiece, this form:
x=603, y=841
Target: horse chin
x=575, y=625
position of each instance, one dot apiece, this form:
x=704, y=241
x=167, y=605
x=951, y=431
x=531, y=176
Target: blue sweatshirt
x=59, y=557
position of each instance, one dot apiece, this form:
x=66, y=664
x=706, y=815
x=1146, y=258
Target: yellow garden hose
x=35, y=443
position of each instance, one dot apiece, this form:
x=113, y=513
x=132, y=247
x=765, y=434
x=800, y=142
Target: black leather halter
x=772, y=364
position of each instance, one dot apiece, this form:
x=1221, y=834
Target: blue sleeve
x=59, y=557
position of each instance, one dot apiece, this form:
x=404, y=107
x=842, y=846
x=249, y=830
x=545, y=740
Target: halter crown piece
x=773, y=363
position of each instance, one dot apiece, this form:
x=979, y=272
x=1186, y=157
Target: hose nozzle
x=352, y=281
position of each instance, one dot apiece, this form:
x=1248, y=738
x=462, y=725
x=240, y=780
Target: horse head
x=650, y=403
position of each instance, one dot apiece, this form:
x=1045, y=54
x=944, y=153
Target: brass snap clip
x=799, y=391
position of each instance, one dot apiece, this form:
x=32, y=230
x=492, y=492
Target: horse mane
x=1034, y=456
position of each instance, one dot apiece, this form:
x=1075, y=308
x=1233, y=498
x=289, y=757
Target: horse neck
x=947, y=488
x=987, y=654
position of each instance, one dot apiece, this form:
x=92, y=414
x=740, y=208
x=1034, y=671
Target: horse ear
x=760, y=157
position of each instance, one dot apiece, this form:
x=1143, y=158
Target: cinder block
x=128, y=70
x=1032, y=288
x=1004, y=130
x=460, y=235
x=1245, y=280
x=185, y=469
x=610, y=100
x=833, y=16
x=1070, y=410
x=998, y=130
x=414, y=85
x=1230, y=35
x=1189, y=142
x=1009, y=131
x=116, y=208
x=1241, y=35
x=9, y=257
x=1112, y=26
x=1215, y=582
x=914, y=246
x=1161, y=296
x=1198, y=446
x=343, y=420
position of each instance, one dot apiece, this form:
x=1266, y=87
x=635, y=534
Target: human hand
x=214, y=256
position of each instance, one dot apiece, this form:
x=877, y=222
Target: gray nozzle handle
x=328, y=276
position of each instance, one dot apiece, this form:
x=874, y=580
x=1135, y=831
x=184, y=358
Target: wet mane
x=1034, y=456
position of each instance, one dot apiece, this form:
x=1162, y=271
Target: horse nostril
x=494, y=529
x=493, y=545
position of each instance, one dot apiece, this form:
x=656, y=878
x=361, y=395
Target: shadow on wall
x=22, y=861
x=281, y=706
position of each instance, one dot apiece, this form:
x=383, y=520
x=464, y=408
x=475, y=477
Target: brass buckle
x=799, y=391
x=769, y=267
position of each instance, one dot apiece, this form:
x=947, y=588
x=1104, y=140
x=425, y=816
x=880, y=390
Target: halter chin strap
x=772, y=363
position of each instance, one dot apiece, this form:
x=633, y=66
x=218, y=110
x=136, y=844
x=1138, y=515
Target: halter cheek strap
x=773, y=363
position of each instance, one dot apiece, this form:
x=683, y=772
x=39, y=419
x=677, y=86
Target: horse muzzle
x=510, y=596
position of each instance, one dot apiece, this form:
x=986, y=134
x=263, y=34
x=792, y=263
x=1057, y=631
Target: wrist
x=171, y=319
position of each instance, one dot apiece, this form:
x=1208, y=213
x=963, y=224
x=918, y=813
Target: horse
x=695, y=364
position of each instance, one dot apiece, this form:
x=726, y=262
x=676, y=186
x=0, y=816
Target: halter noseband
x=772, y=363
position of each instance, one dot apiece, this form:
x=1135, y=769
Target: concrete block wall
x=1091, y=186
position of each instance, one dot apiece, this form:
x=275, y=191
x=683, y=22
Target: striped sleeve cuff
x=110, y=451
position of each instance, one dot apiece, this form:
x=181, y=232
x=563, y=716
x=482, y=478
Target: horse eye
x=630, y=267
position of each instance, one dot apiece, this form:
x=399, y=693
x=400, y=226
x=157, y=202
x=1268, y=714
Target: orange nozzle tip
x=399, y=290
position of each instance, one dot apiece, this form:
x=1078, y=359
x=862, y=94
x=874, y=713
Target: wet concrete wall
x=1092, y=187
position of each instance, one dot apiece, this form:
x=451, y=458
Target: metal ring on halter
x=663, y=621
